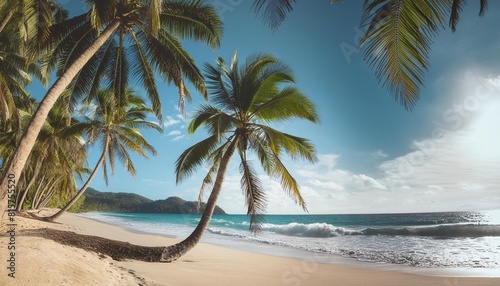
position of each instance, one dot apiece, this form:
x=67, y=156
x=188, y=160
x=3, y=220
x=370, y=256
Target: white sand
x=44, y=262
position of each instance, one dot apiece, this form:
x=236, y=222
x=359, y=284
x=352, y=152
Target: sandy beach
x=40, y=261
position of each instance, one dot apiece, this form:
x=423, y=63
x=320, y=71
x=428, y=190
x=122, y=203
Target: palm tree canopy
x=245, y=99
x=115, y=124
x=147, y=42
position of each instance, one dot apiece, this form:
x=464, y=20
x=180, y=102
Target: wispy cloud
x=170, y=121
x=177, y=138
x=379, y=154
x=174, y=133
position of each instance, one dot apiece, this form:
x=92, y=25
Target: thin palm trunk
x=173, y=252
x=38, y=188
x=6, y=20
x=47, y=197
x=30, y=184
x=39, y=195
x=23, y=149
x=86, y=185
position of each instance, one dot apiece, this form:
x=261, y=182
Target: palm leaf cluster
x=244, y=101
x=115, y=126
x=146, y=43
x=398, y=40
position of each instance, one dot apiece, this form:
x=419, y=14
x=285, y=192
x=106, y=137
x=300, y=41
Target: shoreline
x=206, y=264
x=324, y=258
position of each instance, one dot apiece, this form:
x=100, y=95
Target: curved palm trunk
x=173, y=252
x=23, y=149
x=85, y=186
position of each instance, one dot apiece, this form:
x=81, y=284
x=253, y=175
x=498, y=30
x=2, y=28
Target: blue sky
x=373, y=155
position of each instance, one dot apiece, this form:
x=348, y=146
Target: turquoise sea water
x=435, y=240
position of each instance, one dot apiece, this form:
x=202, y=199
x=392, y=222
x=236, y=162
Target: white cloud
x=169, y=121
x=366, y=182
x=174, y=133
x=379, y=154
x=178, y=138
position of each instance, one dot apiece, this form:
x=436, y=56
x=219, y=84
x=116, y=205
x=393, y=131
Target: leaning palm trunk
x=23, y=149
x=173, y=252
x=85, y=186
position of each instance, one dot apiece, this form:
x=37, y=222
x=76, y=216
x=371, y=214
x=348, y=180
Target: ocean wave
x=307, y=230
x=325, y=230
x=463, y=230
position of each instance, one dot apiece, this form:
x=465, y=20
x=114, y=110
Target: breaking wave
x=325, y=230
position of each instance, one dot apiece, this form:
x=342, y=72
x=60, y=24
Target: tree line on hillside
x=94, y=200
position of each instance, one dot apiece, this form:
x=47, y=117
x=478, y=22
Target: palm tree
x=245, y=100
x=115, y=124
x=153, y=28
x=397, y=39
x=58, y=153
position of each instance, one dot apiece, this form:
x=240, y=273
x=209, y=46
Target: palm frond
x=456, y=8
x=273, y=12
x=288, y=182
x=255, y=198
x=292, y=145
x=218, y=83
x=286, y=104
x=193, y=157
x=397, y=43
x=483, y=7
x=193, y=20
x=251, y=78
x=144, y=74
x=118, y=74
x=216, y=121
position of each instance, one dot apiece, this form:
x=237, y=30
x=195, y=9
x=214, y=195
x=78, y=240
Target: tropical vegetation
x=95, y=201
x=113, y=43
x=115, y=124
x=245, y=100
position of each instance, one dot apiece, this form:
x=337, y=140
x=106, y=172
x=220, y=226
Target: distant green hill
x=133, y=203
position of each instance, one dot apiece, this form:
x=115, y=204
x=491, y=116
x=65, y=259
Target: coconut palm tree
x=153, y=28
x=116, y=124
x=58, y=153
x=245, y=100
